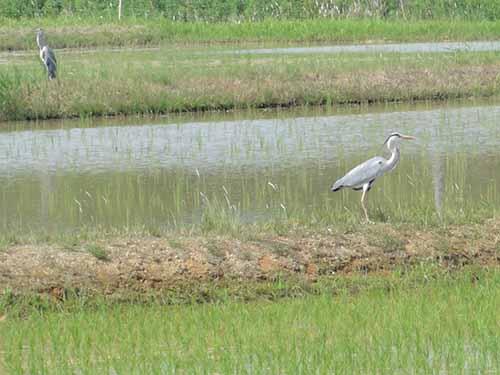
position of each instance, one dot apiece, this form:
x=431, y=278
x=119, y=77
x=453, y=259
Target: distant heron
x=46, y=54
x=364, y=175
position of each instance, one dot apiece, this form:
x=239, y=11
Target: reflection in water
x=46, y=191
x=438, y=173
x=437, y=159
x=155, y=174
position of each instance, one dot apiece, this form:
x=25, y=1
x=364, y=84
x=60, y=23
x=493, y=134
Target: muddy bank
x=151, y=264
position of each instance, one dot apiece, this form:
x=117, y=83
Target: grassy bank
x=414, y=322
x=70, y=32
x=180, y=266
x=110, y=83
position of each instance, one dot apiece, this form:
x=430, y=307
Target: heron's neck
x=394, y=159
x=40, y=40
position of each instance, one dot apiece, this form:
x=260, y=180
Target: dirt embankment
x=149, y=264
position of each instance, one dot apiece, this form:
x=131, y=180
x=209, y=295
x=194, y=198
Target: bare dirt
x=145, y=264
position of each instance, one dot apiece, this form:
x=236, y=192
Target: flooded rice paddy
x=427, y=47
x=372, y=48
x=255, y=166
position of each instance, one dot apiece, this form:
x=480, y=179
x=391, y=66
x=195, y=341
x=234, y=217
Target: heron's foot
x=367, y=219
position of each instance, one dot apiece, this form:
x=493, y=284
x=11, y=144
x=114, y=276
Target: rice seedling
x=201, y=183
x=419, y=321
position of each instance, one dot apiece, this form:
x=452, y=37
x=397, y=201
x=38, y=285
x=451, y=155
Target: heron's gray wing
x=51, y=56
x=50, y=62
x=361, y=174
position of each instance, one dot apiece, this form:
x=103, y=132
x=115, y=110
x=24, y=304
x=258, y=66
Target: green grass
x=408, y=323
x=254, y=10
x=71, y=32
x=107, y=83
x=98, y=251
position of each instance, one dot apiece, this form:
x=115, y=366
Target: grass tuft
x=97, y=251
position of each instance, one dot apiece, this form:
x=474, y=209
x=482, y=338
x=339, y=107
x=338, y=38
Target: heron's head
x=394, y=138
x=40, y=38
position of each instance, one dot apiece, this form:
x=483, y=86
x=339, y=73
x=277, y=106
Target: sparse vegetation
x=175, y=243
x=390, y=242
x=150, y=264
x=214, y=249
x=97, y=251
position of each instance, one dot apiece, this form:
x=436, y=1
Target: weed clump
x=97, y=251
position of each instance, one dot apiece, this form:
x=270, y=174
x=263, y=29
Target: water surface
x=427, y=47
x=423, y=47
x=125, y=173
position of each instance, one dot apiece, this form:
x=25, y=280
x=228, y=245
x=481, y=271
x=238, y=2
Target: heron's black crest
x=395, y=134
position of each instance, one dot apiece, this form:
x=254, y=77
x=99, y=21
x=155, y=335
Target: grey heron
x=364, y=175
x=46, y=54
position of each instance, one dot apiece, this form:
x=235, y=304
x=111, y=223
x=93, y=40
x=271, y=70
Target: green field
x=254, y=10
x=306, y=289
x=91, y=23
x=179, y=80
x=190, y=72
x=68, y=32
x=419, y=322
x=231, y=10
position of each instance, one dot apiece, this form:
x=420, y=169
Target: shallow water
x=425, y=47
x=428, y=47
x=260, y=165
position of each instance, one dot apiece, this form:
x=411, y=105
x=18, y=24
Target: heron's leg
x=366, y=187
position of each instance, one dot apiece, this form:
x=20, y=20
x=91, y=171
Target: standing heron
x=46, y=54
x=364, y=175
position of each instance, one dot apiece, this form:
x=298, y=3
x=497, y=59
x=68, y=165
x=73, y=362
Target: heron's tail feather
x=337, y=185
x=51, y=69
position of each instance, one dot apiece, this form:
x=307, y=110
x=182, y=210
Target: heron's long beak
x=409, y=137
